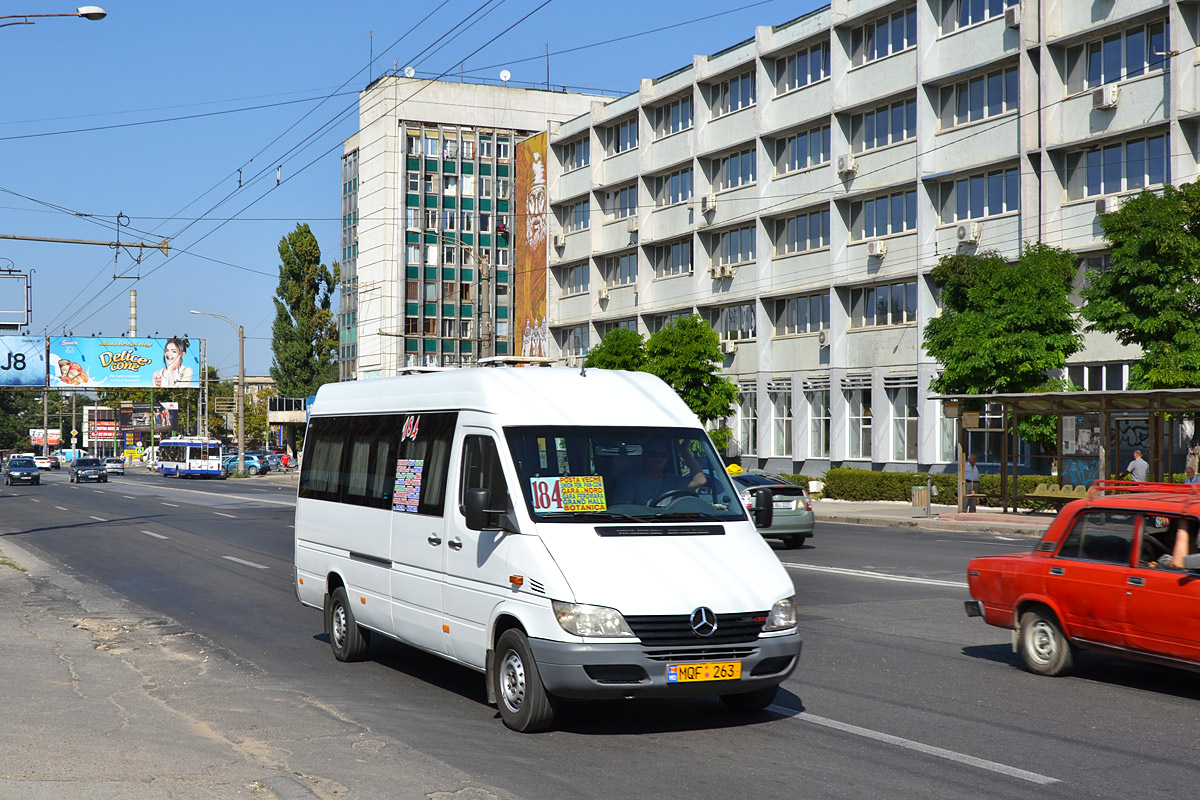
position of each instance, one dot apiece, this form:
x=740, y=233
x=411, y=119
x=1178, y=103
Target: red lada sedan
x=1101, y=578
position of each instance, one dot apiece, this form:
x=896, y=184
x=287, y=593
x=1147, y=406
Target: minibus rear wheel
x=525, y=705
x=349, y=641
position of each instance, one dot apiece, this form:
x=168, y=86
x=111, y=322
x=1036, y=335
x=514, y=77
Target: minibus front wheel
x=349, y=642
x=524, y=703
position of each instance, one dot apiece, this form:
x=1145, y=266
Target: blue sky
x=151, y=112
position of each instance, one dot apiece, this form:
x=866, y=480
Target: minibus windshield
x=590, y=474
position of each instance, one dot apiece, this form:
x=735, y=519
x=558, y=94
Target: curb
x=934, y=523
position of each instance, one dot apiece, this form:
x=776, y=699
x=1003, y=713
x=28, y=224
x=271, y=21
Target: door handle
x=1057, y=571
x=1136, y=581
x=435, y=540
x=455, y=543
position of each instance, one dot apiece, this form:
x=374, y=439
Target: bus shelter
x=1097, y=432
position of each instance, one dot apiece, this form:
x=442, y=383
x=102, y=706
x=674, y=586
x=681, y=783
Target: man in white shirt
x=1138, y=469
x=970, y=484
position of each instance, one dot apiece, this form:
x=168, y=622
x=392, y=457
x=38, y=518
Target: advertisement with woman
x=111, y=362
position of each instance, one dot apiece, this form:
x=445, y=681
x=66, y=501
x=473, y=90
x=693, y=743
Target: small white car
x=43, y=462
x=114, y=466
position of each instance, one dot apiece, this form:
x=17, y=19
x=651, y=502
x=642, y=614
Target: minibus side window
x=429, y=441
x=481, y=470
x=370, y=477
x=320, y=478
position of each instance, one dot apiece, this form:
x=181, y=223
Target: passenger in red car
x=1184, y=555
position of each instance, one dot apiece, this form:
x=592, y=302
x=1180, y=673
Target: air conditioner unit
x=560, y=241
x=602, y=293
x=970, y=233
x=1012, y=16
x=877, y=249
x=708, y=203
x=823, y=338
x=846, y=165
x=1106, y=96
x=728, y=348
x=1107, y=205
x=631, y=224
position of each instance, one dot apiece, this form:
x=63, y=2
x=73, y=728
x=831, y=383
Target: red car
x=1094, y=581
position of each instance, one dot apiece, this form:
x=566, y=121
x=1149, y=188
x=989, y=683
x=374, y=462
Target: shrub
x=844, y=483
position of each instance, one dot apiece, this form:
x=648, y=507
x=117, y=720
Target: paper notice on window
x=568, y=494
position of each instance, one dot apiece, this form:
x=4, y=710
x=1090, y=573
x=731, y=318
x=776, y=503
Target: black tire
x=1043, y=647
x=348, y=640
x=794, y=542
x=37, y=481
x=525, y=705
x=756, y=700
x=252, y=470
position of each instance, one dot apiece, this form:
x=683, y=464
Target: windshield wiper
x=689, y=516
x=594, y=515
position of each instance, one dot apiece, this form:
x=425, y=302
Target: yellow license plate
x=711, y=671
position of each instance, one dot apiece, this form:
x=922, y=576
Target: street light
x=241, y=389
x=84, y=12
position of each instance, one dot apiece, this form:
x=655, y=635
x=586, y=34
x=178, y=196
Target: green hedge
x=844, y=483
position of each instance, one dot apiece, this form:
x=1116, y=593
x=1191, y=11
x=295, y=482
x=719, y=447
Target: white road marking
x=62, y=508
x=247, y=563
x=909, y=744
x=34, y=499
x=128, y=497
x=219, y=514
x=155, y=535
x=98, y=519
x=172, y=505
x=880, y=576
x=98, y=491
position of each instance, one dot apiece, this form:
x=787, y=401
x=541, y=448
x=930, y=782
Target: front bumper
x=22, y=477
x=608, y=671
x=91, y=476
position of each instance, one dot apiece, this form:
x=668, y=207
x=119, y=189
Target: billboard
x=101, y=362
x=36, y=436
x=22, y=361
x=532, y=231
x=161, y=417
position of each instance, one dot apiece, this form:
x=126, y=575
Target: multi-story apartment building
x=426, y=194
x=796, y=189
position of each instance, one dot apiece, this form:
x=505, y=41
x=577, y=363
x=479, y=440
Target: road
x=898, y=693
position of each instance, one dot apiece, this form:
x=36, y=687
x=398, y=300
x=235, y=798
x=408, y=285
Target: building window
x=485, y=186
x=1118, y=167
x=503, y=187
x=807, y=313
x=887, y=304
x=1112, y=377
x=577, y=216
x=800, y=69
x=621, y=270
x=450, y=255
x=657, y=322
x=413, y=254
x=449, y=220
x=904, y=423
x=883, y=215
x=605, y=328
x=673, y=117
x=733, y=323
x=431, y=183
x=984, y=195
x=883, y=126
x=485, y=148
x=803, y=150
x=977, y=98
x=673, y=259
x=961, y=13
x=414, y=182
x=412, y=218
x=573, y=279
x=575, y=155
x=735, y=246
x=733, y=95
x=468, y=222
x=818, y=423
x=468, y=148
x=450, y=146
x=781, y=420
x=884, y=37
x=802, y=232
x=736, y=169
x=748, y=420
x=468, y=185
x=503, y=149
x=673, y=188
x=414, y=145
x=621, y=137
x=947, y=437
x=859, y=404
x=1119, y=56
x=432, y=146
x=621, y=203
x=574, y=341
x=431, y=219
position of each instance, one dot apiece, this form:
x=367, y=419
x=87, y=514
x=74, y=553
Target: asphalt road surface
x=898, y=693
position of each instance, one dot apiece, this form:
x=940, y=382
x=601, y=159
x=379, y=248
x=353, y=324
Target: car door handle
x=455, y=543
x=1136, y=581
x=435, y=540
x=1057, y=571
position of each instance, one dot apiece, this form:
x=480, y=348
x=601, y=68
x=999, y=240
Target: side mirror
x=475, y=508
x=764, y=508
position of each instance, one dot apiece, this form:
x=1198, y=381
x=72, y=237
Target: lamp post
x=241, y=390
x=83, y=12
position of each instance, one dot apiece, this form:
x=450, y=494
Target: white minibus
x=569, y=534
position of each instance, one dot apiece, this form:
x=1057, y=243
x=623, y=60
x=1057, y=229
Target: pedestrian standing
x=971, y=484
x=1138, y=469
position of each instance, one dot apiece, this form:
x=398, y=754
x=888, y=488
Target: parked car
x=88, y=469
x=254, y=465
x=275, y=461
x=114, y=466
x=1099, y=579
x=43, y=462
x=793, y=518
x=21, y=470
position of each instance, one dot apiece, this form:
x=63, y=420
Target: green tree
x=1150, y=296
x=304, y=337
x=619, y=349
x=686, y=354
x=19, y=411
x=1005, y=326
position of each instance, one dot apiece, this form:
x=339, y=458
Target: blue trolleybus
x=184, y=457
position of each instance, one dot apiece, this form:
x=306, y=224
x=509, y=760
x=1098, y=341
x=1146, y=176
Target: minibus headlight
x=782, y=616
x=580, y=619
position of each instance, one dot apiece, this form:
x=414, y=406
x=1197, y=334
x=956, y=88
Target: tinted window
x=22, y=462
x=754, y=480
x=88, y=462
x=1105, y=536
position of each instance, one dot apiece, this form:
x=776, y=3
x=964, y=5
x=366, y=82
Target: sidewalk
x=945, y=518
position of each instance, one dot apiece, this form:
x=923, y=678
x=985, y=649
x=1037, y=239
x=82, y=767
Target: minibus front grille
x=676, y=629
x=706, y=654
